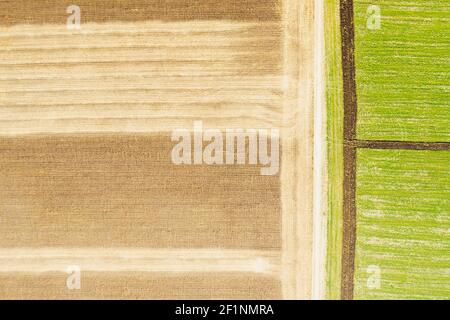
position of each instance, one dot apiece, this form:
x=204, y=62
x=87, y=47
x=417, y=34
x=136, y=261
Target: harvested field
x=86, y=123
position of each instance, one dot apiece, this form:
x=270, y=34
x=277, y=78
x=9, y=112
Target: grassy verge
x=335, y=120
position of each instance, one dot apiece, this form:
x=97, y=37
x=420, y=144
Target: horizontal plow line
x=144, y=28
x=83, y=62
x=234, y=44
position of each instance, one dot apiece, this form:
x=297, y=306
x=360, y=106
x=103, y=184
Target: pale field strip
x=38, y=260
x=139, y=77
x=298, y=147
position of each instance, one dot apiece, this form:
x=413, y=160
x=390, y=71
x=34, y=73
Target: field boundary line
x=400, y=145
x=350, y=114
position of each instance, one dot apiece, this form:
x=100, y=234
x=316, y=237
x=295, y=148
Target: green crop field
x=403, y=224
x=403, y=70
x=402, y=196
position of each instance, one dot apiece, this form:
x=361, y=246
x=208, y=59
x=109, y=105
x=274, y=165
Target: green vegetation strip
x=403, y=225
x=335, y=120
x=402, y=70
